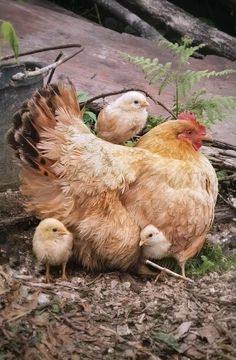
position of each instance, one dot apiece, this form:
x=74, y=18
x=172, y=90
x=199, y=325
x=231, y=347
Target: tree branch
x=102, y=96
x=175, y=18
x=44, y=70
x=58, y=47
x=143, y=28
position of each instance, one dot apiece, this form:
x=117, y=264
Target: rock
x=43, y=299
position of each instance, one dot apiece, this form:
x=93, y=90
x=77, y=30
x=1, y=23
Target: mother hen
x=106, y=193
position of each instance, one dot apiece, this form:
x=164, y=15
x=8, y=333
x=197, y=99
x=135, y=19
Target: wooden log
x=164, y=12
x=143, y=28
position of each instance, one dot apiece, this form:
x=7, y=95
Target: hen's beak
x=145, y=103
x=207, y=137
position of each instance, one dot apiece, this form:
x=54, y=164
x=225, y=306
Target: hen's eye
x=54, y=229
x=136, y=101
x=189, y=132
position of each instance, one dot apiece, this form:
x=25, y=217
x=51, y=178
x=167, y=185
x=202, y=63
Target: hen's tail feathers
x=40, y=128
x=38, y=119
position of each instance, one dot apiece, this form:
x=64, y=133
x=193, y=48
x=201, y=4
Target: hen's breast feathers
x=177, y=197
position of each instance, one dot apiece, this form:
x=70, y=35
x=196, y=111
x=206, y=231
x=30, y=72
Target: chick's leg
x=63, y=276
x=48, y=276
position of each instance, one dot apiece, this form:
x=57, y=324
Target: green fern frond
x=168, y=80
x=189, y=78
x=184, y=50
x=209, y=110
x=153, y=70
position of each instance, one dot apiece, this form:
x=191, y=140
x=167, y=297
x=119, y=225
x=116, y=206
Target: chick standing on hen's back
x=123, y=118
x=52, y=245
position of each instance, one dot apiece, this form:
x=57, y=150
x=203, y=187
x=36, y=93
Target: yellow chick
x=52, y=245
x=154, y=243
x=123, y=118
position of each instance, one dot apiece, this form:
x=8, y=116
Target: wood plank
x=99, y=68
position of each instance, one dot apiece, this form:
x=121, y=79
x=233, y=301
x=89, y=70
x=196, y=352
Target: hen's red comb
x=190, y=117
x=187, y=116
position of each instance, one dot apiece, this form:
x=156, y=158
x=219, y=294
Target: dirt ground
x=112, y=315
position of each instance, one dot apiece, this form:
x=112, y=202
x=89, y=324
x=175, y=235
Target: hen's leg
x=48, y=276
x=145, y=271
x=63, y=276
x=182, y=266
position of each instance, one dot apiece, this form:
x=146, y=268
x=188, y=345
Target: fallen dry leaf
x=123, y=330
x=183, y=329
x=210, y=333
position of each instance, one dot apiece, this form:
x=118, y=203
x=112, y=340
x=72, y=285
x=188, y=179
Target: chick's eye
x=54, y=230
x=136, y=101
x=150, y=235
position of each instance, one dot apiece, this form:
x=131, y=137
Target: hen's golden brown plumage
x=125, y=117
x=107, y=193
x=52, y=245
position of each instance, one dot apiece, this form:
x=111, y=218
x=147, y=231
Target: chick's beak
x=145, y=103
x=141, y=242
x=63, y=232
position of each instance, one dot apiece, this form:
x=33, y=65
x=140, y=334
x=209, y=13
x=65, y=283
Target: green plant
x=8, y=34
x=208, y=109
x=211, y=258
x=89, y=116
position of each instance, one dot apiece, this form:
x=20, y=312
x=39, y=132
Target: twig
x=102, y=96
x=224, y=153
x=4, y=292
x=53, y=70
x=220, y=145
x=94, y=280
x=229, y=318
x=169, y=272
x=67, y=285
x=23, y=277
x=228, y=178
x=213, y=301
x=44, y=70
x=50, y=286
x=58, y=47
x=39, y=285
x=98, y=14
x=227, y=201
x=17, y=220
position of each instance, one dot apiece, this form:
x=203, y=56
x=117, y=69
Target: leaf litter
x=111, y=315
